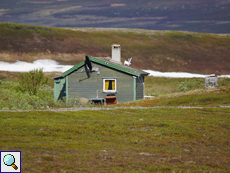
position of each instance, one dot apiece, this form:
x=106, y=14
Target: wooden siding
x=59, y=89
x=82, y=86
x=140, y=88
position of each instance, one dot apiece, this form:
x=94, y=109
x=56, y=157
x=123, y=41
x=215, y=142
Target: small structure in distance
x=113, y=81
x=210, y=81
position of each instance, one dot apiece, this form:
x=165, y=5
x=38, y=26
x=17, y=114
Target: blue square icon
x=10, y=161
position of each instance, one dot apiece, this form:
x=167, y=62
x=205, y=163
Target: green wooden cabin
x=108, y=76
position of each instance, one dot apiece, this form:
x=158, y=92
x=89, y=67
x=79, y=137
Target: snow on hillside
x=54, y=66
x=174, y=74
x=22, y=66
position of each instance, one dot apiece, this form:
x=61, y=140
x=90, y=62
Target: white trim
x=111, y=91
x=109, y=77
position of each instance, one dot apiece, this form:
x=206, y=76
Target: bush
x=183, y=87
x=12, y=98
x=31, y=81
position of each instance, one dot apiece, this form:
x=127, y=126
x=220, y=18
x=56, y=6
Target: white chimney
x=116, y=53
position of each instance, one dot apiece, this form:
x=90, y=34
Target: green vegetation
x=156, y=86
x=167, y=92
x=125, y=140
x=204, y=98
x=30, y=91
x=30, y=82
x=27, y=91
x=211, y=98
x=13, y=98
x=183, y=92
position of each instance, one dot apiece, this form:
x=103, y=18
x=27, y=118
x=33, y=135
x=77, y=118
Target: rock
x=146, y=154
x=84, y=100
x=186, y=150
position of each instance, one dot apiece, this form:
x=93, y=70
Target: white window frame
x=110, y=91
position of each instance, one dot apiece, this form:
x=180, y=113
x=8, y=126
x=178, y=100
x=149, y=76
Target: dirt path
x=111, y=108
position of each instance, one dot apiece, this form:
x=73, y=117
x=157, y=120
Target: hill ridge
x=166, y=51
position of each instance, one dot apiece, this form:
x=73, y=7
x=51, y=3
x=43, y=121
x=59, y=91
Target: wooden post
x=66, y=89
x=134, y=88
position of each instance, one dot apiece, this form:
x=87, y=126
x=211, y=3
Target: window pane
x=109, y=85
x=106, y=84
x=113, y=84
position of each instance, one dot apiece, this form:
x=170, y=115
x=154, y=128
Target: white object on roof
x=128, y=63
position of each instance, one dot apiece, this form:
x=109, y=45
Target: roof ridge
x=110, y=64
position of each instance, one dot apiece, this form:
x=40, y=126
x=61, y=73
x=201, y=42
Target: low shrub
x=11, y=98
x=31, y=81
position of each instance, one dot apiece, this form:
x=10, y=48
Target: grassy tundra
x=126, y=140
x=123, y=140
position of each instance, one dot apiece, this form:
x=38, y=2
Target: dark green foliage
x=31, y=81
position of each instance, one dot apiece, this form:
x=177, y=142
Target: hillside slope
x=155, y=50
x=209, y=16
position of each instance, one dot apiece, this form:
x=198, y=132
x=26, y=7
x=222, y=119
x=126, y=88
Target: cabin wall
x=140, y=88
x=79, y=85
x=59, y=89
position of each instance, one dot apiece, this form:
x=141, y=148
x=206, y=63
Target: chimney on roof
x=116, y=53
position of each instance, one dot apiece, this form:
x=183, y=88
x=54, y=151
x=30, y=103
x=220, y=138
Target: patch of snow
x=22, y=66
x=53, y=66
x=179, y=74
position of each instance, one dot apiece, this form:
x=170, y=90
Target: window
x=109, y=85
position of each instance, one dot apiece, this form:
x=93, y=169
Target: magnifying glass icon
x=9, y=160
